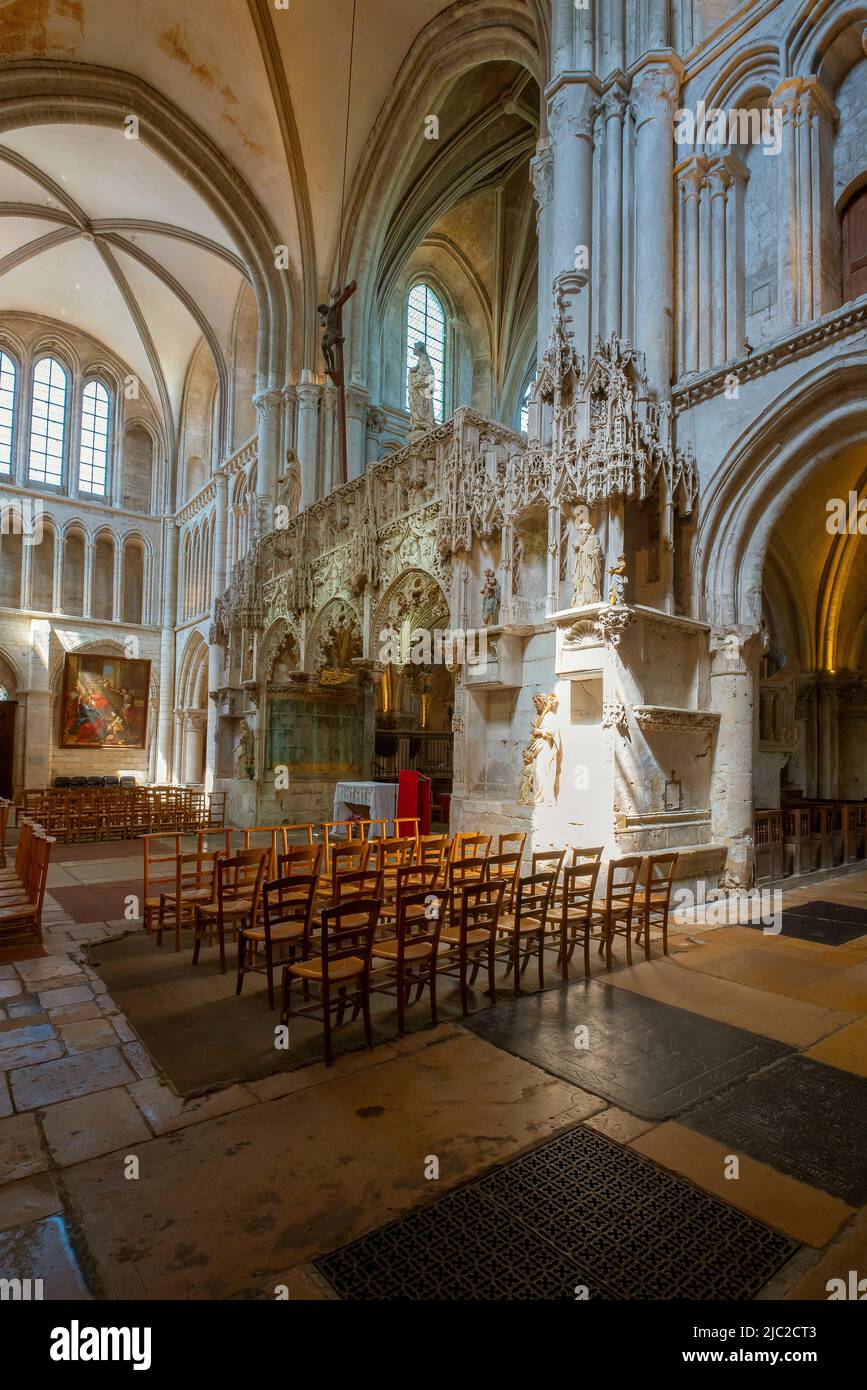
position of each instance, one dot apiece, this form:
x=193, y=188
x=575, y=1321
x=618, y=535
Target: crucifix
x=331, y=319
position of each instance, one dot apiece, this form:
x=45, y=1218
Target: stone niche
x=502, y=666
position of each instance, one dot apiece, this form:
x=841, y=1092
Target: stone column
x=613, y=108
x=784, y=102
x=193, y=738
x=167, y=651
x=215, y=652
x=719, y=181
x=374, y=424
x=734, y=681
x=87, y=596
x=37, y=724
x=691, y=177
x=654, y=91
x=542, y=178
x=356, y=411
x=308, y=392
x=57, y=576
x=827, y=740
x=571, y=101
x=269, y=409
x=26, y=568
x=734, y=242
x=820, y=231
x=117, y=580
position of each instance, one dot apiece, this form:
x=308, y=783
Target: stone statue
x=421, y=391
x=617, y=592
x=331, y=319
x=491, y=596
x=289, y=486
x=540, y=779
x=589, y=563
x=242, y=753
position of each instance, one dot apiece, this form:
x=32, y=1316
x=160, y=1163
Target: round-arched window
x=426, y=323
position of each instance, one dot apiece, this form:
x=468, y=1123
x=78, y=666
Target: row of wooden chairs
x=106, y=813
x=22, y=887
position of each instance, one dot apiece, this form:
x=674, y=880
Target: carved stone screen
x=315, y=733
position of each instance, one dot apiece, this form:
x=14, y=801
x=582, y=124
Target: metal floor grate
x=578, y=1211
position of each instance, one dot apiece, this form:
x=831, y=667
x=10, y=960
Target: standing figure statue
x=289, y=486
x=540, y=779
x=589, y=564
x=617, y=592
x=242, y=753
x=491, y=597
x=421, y=392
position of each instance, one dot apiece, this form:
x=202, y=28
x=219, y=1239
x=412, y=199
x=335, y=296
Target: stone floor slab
x=29, y=1200
x=76, y=1130
x=68, y=1077
x=21, y=1151
x=646, y=1057
x=263, y=1190
x=846, y=1049
x=849, y=1252
x=793, y=1022
x=44, y=1250
x=799, y=1210
x=801, y=1117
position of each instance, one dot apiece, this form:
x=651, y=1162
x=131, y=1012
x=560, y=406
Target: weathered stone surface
x=68, y=1077
x=29, y=1200
x=21, y=1151
x=76, y=1130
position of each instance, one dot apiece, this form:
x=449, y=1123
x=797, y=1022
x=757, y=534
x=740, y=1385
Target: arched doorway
x=8, y=719
x=415, y=692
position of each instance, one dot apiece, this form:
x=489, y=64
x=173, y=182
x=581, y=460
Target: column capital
x=274, y=398
x=308, y=392
x=614, y=99
x=656, y=81
x=691, y=174
x=571, y=99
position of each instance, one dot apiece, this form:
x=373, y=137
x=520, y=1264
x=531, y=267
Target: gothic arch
x=808, y=423
x=454, y=42
x=335, y=610
x=415, y=595
x=279, y=634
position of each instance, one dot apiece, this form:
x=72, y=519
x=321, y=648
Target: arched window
x=524, y=414
x=93, y=458
x=426, y=323
x=47, y=423
x=7, y=411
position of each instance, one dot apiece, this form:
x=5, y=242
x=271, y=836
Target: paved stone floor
x=113, y=1185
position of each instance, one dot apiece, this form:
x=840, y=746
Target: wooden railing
x=412, y=750
x=808, y=835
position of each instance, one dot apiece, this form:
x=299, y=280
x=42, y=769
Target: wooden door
x=7, y=744
x=855, y=247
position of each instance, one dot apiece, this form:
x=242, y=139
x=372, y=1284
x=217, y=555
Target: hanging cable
x=346, y=147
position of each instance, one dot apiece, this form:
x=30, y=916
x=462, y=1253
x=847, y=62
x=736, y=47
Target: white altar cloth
x=380, y=797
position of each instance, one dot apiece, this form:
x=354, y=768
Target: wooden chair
x=410, y=956
x=433, y=849
x=163, y=880
x=548, y=861
x=345, y=859
x=412, y=878
x=237, y=901
x=460, y=873
x=299, y=859
x=574, y=914
x=5, y=810
x=22, y=916
x=365, y=884
x=512, y=843
x=472, y=935
x=655, y=902
x=195, y=882
x=287, y=910
x=506, y=866
x=613, y=915
x=521, y=933
x=216, y=810
x=391, y=855
x=341, y=972
x=469, y=846
x=12, y=878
